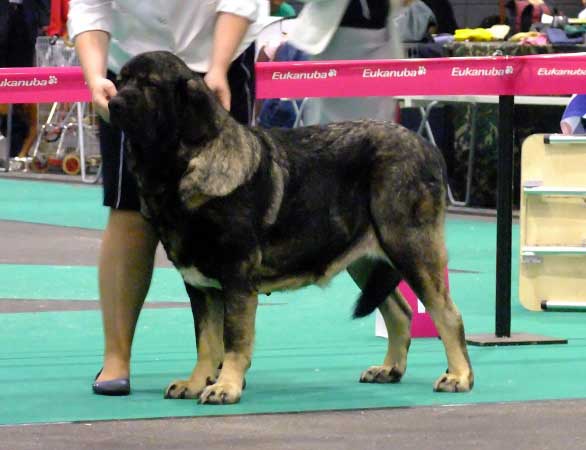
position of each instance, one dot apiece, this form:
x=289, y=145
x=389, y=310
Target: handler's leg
x=126, y=265
x=126, y=257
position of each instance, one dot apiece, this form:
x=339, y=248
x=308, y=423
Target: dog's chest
x=192, y=276
x=178, y=234
x=175, y=247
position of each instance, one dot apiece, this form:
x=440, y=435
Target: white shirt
x=183, y=27
x=320, y=19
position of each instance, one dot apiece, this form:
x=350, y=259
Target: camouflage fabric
x=527, y=120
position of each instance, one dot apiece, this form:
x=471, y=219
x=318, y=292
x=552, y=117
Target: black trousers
x=17, y=49
x=17, y=36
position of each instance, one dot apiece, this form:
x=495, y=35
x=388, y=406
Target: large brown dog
x=242, y=211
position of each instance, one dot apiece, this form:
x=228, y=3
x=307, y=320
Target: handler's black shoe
x=118, y=386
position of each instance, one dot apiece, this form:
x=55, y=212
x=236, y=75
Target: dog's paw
x=222, y=393
x=381, y=374
x=180, y=389
x=452, y=383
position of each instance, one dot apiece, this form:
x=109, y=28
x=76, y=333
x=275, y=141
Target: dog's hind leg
x=208, y=314
x=408, y=202
x=419, y=253
x=396, y=312
x=239, y=318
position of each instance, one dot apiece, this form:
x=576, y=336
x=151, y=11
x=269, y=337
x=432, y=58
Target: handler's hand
x=217, y=81
x=102, y=91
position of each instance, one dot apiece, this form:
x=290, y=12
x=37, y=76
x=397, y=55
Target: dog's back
x=339, y=179
x=345, y=151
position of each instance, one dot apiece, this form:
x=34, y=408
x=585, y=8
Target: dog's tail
x=382, y=281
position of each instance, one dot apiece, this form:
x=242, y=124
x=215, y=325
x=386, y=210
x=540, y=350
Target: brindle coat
x=242, y=211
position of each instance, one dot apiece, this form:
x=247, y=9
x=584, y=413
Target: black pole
x=504, y=228
x=504, y=216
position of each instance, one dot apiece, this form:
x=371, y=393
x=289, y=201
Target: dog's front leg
x=239, y=317
x=208, y=312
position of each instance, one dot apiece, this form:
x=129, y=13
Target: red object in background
x=421, y=323
x=58, y=21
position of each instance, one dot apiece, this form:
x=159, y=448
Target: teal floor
x=67, y=204
x=308, y=355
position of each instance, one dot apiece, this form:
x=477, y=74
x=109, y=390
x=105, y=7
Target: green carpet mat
x=308, y=357
x=308, y=353
x=39, y=282
x=52, y=203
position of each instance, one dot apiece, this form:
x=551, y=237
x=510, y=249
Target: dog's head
x=160, y=100
x=167, y=111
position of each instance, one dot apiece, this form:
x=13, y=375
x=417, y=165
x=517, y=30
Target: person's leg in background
x=18, y=31
x=4, y=33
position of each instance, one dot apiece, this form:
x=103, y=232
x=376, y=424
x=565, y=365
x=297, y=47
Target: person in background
x=348, y=29
x=524, y=13
x=21, y=21
x=444, y=15
x=281, y=8
x=416, y=22
x=20, y=24
x=214, y=38
x=297, y=5
x=574, y=116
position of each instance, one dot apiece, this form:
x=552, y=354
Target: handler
x=215, y=38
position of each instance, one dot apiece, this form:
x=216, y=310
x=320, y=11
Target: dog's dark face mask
x=161, y=103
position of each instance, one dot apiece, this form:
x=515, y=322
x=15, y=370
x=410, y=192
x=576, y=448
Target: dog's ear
x=196, y=120
x=225, y=159
x=222, y=165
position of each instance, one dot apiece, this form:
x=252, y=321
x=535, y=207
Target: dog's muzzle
x=124, y=106
x=118, y=109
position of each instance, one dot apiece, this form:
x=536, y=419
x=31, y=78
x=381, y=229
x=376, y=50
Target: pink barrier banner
x=42, y=85
x=558, y=74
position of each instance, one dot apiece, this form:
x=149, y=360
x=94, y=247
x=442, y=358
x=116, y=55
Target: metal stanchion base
x=491, y=340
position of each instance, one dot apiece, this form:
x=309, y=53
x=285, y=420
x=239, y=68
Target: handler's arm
x=90, y=23
x=92, y=49
x=228, y=34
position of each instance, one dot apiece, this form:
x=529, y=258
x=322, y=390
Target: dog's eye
x=155, y=84
x=155, y=80
x=149, y=82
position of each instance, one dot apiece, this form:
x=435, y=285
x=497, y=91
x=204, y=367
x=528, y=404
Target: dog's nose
x=117, y=105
